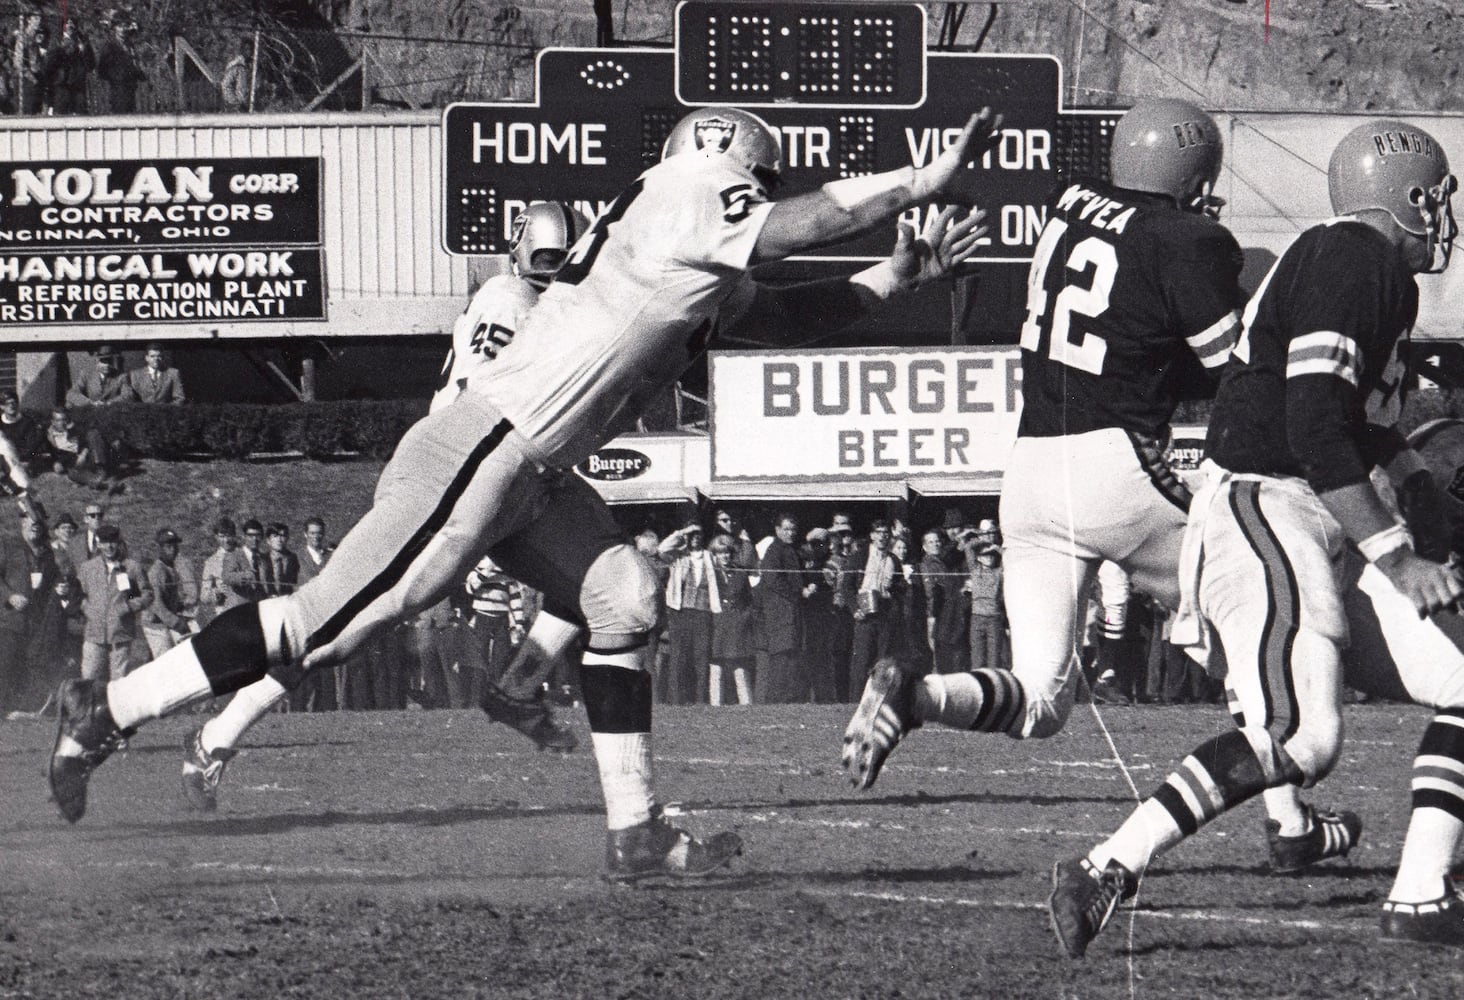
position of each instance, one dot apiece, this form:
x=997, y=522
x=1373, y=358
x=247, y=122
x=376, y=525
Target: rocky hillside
x=1355, y=55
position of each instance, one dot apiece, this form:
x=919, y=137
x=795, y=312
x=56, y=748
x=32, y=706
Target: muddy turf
x=431, y=854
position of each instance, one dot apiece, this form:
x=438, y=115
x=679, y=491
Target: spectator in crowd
x=692, y=598
x=734, y=636
x=87, y=542
x=23, y=433
x=234, y=81
x=64, y=71
x=279, y=568
x=744, y=553
x=658, y=645
x=27, y=573
x=818, y=610
x=55, y=649
x=86, y=464
x=874, y=572
x=946, y=602
x=118, y=69
x=28, y=47
x=839, y=576
x=228, y=577
x=154, y=381
x=104, y=384
x=171, y=616
x=114, y=591
x=497, y=623
x=908, y=601
x=435, y=649
x=988, y=615
x=62, y=532
x=780, y=610
x=313, y=558
x=253, y=553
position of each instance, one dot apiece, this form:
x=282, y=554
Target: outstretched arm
x=844, y=209
x=832, y=303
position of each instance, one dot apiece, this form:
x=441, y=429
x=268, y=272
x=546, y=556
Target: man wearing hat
x=104, y=384
x=692, y=597
x=114, y=592
x=169, y=618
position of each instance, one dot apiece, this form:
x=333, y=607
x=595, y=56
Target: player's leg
x=1396, y=655
x=1271, y=595
x=457, y=479
x=575, y=553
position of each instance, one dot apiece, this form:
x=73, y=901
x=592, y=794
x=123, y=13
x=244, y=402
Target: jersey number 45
x=1087, y=354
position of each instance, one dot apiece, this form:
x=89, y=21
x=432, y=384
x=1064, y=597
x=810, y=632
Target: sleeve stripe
x=1323, y=353
x=1213, y=344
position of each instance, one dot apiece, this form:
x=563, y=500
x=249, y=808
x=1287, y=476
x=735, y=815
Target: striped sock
x=988, y=701
x=1437, y=822
x=1220, y=774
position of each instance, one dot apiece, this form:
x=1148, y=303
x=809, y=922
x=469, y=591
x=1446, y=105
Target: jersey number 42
x=1087, y=354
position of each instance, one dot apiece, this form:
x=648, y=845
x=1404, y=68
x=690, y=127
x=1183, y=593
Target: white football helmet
x=740, y=136
x=541, y=238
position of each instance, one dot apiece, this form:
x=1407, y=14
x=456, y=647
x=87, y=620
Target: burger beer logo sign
x=614, y=465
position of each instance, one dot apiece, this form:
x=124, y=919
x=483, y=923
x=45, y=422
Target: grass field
x=429, y=854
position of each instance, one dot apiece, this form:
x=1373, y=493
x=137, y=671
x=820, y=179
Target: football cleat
x=885, y=714
x=1438, y=921
x=1083, y=900
x=530, y=716
x=1331, y=835
x=85, y=736
x=202, y=771
x=655, y=848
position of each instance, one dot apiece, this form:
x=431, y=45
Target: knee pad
x=619, y=597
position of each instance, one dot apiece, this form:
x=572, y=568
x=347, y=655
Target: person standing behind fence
x=154, y=381
x=27, y=50
x=228, y=579
x=64, y=71
x=27, y=572
x=117, y=68
x=988, y=616
x=733, y=625
x=780, y=612
x=692, y=599
x=170, y=617
x=114, y=591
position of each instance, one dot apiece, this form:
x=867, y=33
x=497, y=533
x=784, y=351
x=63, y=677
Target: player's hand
x=946, y=174
x=1428, y=586
x=946, y=241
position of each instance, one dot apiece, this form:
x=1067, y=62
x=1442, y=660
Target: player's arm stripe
x=409, y=552
x=1323, y=353
x=1213, y=344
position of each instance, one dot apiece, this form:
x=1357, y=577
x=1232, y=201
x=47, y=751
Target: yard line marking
x=1189, y=916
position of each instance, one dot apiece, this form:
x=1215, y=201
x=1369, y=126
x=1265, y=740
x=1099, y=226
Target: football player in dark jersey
x=1133, y=303
x=1291, y=552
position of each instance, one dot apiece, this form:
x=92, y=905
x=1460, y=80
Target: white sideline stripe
x=860, y=824
x=1189, y=916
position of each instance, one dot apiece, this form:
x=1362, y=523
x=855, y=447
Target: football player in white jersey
x=641, y=295
x=541, y=237
x=1291, y=555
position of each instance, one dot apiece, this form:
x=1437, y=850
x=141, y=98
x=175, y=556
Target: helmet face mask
x=1398, y=168
x=739, y=136
x=1169, y=147
x=540, y=241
